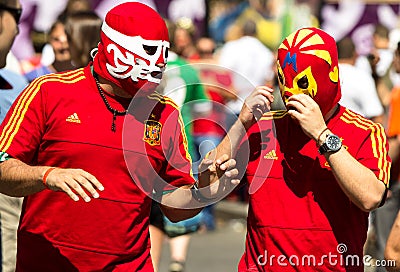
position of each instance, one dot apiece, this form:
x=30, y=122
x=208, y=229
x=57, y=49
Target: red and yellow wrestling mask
x=133, y=44
x=308, y=63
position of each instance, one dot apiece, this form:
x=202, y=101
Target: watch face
x=333, y=142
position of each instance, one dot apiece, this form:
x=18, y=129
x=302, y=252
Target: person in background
x=83, y=35
x=75, y=6
x=11, y=85
x=87, y=163
x=62, y=57
x=10, y=16
x=315, y=171
x=392, y=250
x=181, y=83
x=378, y=62
x=393, y=130
x=71, y=7
x=209, y=129
x=388, y=215
x=251, y=64
x=184, y=37
x=359, y=92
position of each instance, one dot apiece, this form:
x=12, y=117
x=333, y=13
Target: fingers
x=75, y=183
x=93, y=181
x=297, y=102
x=255, y=105
x=260, y=101
x=267, y=91
x=80, y=182
x=304, y=110
x=64, y=187
x=226, y=165
x=302, y=104
x=220, y=178
x=205, y=164
x=301, y=101
x=221, y=160
x=262, y=98
x=230, y=171
x=223, y=165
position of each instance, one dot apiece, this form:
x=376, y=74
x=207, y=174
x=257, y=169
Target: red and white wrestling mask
x=133, y=47
x=308, y=63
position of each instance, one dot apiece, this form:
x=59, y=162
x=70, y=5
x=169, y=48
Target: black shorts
x=156, y=216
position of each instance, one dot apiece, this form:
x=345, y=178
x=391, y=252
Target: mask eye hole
x=150, y=50
x=166, y=53
x=280, y=77
x=303, y=82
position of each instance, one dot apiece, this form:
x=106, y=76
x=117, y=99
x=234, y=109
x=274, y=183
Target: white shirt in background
x=359, y=93
x=251, y=64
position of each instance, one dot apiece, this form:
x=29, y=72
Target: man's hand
x=73, y=182
x=255, y=105
x=217, y=177
x=306, y=111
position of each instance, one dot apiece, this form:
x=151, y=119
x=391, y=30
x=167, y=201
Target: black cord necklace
x=115, y=112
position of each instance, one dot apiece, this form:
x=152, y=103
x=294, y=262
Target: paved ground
x=219, y=250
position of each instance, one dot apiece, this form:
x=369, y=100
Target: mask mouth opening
x=156, y=74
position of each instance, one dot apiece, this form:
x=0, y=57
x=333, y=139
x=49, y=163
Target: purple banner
x=357, y=19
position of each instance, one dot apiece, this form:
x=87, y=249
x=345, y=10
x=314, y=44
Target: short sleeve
x=24, y=124
x=373, y=153
x=178, y=168
x=369, y=100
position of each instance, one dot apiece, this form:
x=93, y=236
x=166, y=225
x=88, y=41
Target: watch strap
x=323, y=149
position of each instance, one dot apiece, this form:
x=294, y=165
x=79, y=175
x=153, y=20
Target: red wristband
x=44, y=180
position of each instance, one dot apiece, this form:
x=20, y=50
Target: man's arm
x=357, y=181
x=217, y=179
x=255, y=105
x=392, y=250
x=19, y=179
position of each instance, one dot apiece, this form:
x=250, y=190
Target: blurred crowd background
x=222, y=19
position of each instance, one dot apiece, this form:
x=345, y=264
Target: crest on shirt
x=152, y=132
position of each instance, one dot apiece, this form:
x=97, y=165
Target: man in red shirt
x=102, y=129
x=314, y=171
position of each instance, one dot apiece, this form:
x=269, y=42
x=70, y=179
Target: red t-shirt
x=61, y=120
x=298, y=214
x=213, y=123
x=217, y=82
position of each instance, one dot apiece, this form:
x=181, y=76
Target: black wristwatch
x=332, y=144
